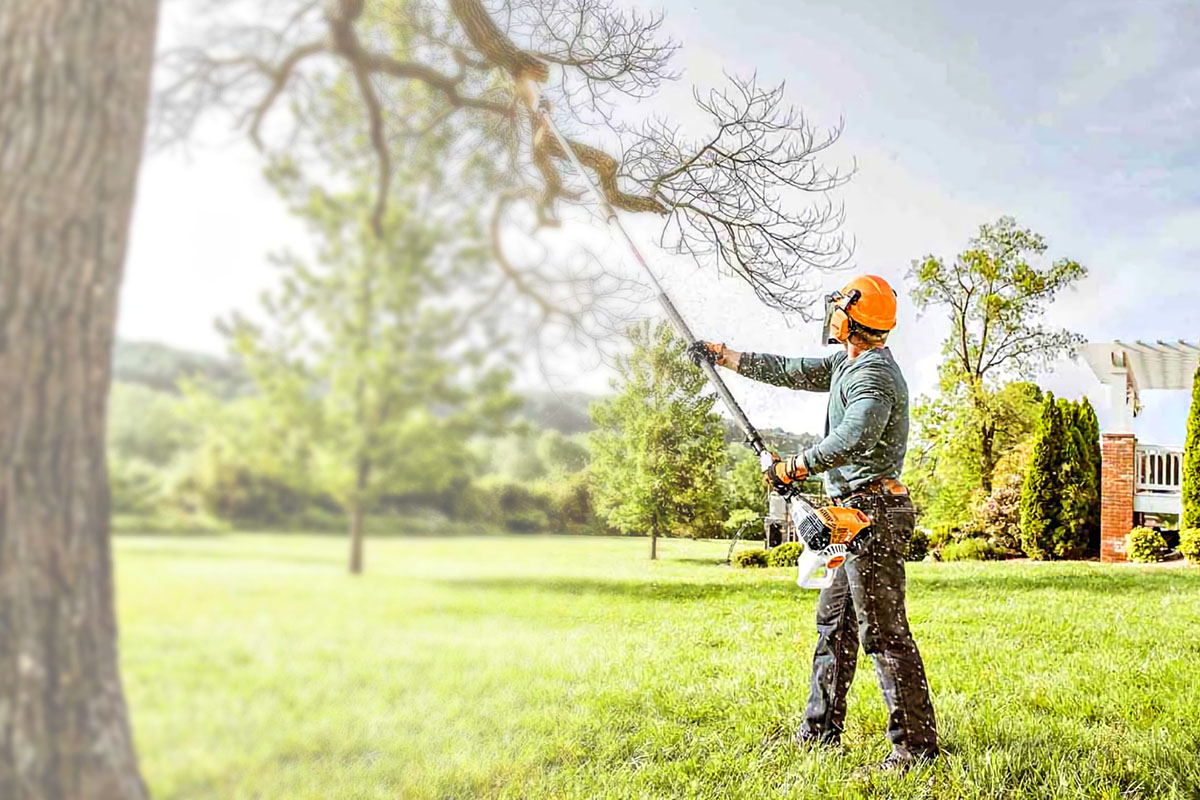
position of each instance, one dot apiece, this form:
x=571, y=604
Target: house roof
x=1152, y=365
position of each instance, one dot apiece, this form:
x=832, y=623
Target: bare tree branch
x=740, y=193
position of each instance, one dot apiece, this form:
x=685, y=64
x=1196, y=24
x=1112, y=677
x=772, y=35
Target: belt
x=889, y=487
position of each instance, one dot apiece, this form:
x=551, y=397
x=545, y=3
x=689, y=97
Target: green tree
x=1074, y=508
x=995, y=299
x=364, y=349
x=561, y=454
x=1087, y=442
x=1042, y=491
x=658, y=448
x=943, y=466
x=1191, y=462
x=745, y=496
x=1057, y=497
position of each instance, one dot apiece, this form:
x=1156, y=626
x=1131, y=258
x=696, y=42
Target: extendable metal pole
x=753, y=439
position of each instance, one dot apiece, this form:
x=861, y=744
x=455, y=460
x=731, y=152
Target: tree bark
x=74, y=84
x=653, y=544
x=356, y=537
x=356, y=516
x=987, y=466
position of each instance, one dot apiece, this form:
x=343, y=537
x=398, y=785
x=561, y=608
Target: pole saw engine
x=829, y=535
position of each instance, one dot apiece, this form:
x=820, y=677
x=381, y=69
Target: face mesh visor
x=827, y=332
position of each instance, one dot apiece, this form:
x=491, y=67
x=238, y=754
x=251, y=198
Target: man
x=860, y=458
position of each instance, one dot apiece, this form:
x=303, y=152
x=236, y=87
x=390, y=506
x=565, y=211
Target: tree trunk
x=654, y=543
x=987, y=466
x=356, y=537
x=74, y=83
x=356, y=517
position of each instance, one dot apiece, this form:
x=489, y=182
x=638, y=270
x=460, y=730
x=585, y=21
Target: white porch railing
x=1158, y=470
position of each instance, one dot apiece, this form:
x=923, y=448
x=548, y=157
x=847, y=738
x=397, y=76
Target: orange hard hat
x=867, y=300
x=875, y=307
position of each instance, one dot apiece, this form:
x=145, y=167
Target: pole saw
x=828, y=533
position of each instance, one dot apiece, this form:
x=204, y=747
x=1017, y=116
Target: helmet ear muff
x=837, y=318
x=839, y=327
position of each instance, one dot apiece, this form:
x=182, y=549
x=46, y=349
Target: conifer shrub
x=1189, y=544
x=1191, y=462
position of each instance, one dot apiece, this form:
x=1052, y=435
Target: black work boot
x=806, y=741
x=896, y=764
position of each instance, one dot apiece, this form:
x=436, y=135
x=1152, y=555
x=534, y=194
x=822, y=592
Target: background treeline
x=194, y=446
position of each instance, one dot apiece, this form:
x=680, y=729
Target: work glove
x=782, y=473
x=712, y=352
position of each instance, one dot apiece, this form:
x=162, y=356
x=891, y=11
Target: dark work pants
x=865, y=604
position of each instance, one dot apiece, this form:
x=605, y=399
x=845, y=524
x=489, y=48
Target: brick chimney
x=1116, y=493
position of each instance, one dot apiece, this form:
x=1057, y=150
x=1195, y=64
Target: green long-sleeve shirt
x=866, y=425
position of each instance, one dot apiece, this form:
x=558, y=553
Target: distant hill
x=777, y=439
x=566, y=412
x=161, y=367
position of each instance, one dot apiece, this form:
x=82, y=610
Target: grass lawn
x=575, y=667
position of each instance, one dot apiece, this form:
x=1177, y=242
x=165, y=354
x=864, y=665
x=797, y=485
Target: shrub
x=1145, y=545
x=918, y=545
x=974, y=549
x=997, y=516
x=1189, y=544
x=942, y=535
x=785, y=555
x=518, y=507
x=751, y=558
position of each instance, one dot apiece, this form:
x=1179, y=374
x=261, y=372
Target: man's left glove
x=782, y=473
x=712, y=352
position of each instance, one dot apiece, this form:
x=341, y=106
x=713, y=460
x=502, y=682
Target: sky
x=1080, y=118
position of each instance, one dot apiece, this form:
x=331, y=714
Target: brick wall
x=1116, y=500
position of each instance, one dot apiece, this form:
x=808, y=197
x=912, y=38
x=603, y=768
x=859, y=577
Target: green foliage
x=972, y=549
x=997, y=515
x=745, y=497
x=943, y=469
x=135, y=485
x=572, y=509
x=1145, y=545
x=943, y=534
x=147, y=424
x=658, y=447
x=1059, y=494
x=785, y=555
x=1189, y=544
x=562, y=454
x=750, y=558
x=518, y=507
x=995, y=295
x=747, y=517
x=1191, y=461
x=918, y=546
x=247, y=463
x=363, y=355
